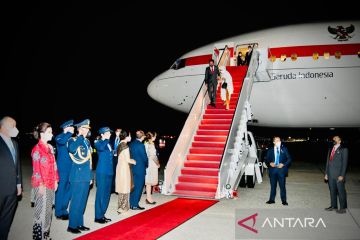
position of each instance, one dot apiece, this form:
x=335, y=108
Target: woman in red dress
x=44, y=180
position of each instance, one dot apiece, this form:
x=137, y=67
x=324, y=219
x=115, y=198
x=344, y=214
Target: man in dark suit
x=278, y=159
x=138, y=153
x=10, y=174
x=248, y=55
x=335, y=175
x=211, y=80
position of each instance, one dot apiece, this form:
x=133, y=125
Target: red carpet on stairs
x=153, y=223
x=199, y=176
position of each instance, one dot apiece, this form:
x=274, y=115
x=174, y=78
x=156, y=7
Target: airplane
x=308, y=75
x=305, y=75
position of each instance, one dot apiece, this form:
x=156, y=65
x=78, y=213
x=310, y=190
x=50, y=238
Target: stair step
x=216, y=121
x=218, y=116
x=198, y=179
x=213, y=132
x=202, y=164
x=208, y=144
x=199, y=171
x=214, y=127
x=194, y=194
x=210, y=139
x=219, y=111
x=207, y=150
x=202, y=157
x=201, y=187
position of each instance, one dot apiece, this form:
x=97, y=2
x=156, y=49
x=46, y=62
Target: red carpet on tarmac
x=153, y=223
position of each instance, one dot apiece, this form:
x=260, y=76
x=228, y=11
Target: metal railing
x=235, y=149
x=182, y=146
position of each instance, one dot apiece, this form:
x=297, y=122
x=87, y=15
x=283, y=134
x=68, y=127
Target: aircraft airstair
x=213, y=151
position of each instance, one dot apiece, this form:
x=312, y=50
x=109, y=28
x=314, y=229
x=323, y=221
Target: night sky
x=78, y=61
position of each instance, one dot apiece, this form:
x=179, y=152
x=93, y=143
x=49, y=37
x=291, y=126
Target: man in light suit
x=138, y=153
x=212, y=74
x=335, y=175
x=279, y=160
x=10, y=174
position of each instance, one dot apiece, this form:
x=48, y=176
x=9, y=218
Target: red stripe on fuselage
x=197, y=60
x=307, y=51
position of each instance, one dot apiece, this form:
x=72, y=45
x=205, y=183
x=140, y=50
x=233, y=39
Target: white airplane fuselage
x=298, y=92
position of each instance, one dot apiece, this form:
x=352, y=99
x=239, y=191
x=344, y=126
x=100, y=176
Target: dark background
x=82, y=60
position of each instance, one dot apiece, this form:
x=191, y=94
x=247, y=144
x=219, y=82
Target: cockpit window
x=180, y=63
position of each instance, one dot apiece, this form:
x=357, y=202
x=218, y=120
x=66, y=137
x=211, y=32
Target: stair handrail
x=228, y=160
x=182, y=146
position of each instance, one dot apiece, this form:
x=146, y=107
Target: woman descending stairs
x=199, y=175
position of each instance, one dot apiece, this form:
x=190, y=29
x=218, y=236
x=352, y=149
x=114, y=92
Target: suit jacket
x=285, y=159
x=211, y=77
x=10, y=172
x=105, y=160
x=337, y=166
x=138, y=153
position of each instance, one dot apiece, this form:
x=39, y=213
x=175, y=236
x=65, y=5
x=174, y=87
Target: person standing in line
x=151, y=178
x=62, y=195
x=335, y=171
x=80, y=176
x=211, y=80
x=10, y=173
x=138, y=153
x=44, y=180
x=124, y=178
x=279, y=160
x=104, y=175
x=240, y=61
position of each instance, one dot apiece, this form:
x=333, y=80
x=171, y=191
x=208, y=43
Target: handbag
x=224, y=85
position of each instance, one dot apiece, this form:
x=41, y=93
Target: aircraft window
x=326, y=55
x=293, y=57
x=337, y=54
x=180, y=63
x=273, y=58
x=283, y=57
x=315, y=56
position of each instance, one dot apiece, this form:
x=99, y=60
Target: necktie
x=116, y=143
x=12, y=150
x=332, y=153
x=212, y=69
x=277, y=156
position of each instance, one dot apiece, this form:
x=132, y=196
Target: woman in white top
x=151, y=178
x=226, y=92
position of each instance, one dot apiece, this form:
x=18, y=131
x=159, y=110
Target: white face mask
x=47, y=136
x=13, y=132
x=128, y=139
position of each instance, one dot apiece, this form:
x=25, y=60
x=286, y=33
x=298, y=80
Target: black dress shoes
x=285, y=203
x=107, y=219
x=270, y=202
x=341, y=210
x=101, y=220
x=148, y=202
x=73, y=230
x=63, y=217
x=330, y=209
x=83, y=228
x=137, y=208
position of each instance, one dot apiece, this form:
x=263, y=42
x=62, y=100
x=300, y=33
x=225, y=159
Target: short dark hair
x=211, y=60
